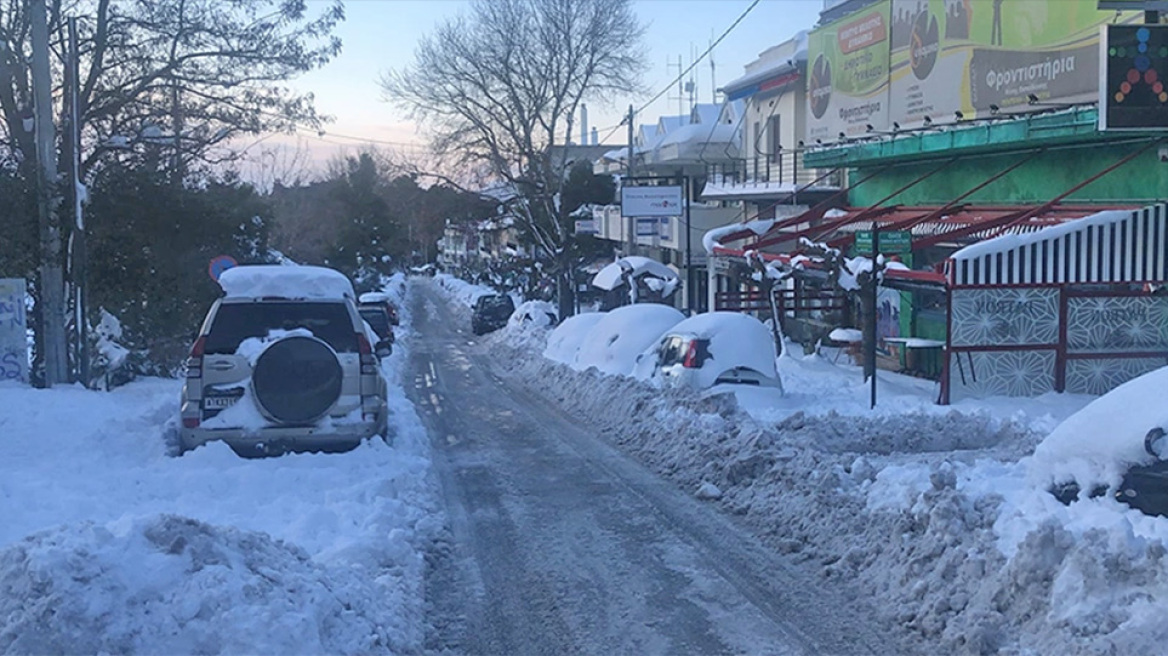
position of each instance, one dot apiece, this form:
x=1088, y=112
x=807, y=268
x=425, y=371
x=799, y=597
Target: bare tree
x=499, y=87
x=182, y=76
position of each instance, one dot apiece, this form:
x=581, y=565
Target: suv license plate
x=219, y=402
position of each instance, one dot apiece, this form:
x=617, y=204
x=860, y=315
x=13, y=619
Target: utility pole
x=52, y=344
x=628, y=178
x=79, y=246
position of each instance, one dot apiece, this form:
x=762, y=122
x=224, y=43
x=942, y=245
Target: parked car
x=1143, y=487
x=283, y=362
x=377, y=317
x=490, y=313
x=715, y=348
x=1116, y=446
x=381, y=298
x=613, y=344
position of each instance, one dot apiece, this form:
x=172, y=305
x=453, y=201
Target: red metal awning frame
x=955, y=220
x=931, y=277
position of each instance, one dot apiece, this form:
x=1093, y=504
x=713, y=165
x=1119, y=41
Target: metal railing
x=786, y=167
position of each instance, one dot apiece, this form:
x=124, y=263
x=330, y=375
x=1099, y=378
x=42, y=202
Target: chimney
x=583, y=124
x=595, y=137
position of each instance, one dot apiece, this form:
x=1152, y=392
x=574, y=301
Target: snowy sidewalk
x=108, y=545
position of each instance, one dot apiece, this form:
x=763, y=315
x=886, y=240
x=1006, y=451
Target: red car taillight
x=190, y=422
x=368, y=360
x=691, y=356
x=195, y=358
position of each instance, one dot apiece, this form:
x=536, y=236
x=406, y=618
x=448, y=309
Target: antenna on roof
x=713, y=72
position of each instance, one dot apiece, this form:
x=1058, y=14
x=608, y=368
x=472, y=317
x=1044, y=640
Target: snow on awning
x=756, y=190
x=1109, y=246
x=610, y=277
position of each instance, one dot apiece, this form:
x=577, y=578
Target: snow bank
x=613, y=344
x=110, y=546
x=285, y=281
x=170, y=584
x=465, y=292
x=926, y=510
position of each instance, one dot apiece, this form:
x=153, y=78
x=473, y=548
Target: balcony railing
x=786, y=167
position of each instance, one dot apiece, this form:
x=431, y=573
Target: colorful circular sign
x=219, y=264
x=819, y=86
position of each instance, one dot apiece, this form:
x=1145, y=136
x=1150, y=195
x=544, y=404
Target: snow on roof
x=712, y=238
x=501, y=192
x=1010, y=242
x=755, y=189
x=667, y=124
x=795, y=51
x=705, y=113
x=259, y=280
x=610, y=277
x=696, y=133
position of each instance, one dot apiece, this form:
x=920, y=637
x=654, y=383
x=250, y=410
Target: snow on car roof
x=374, y=297
x=613, y=344
x=564, y=343
x=736, y=340
x=260, y=280
x=1097, y=444
x=609, y=277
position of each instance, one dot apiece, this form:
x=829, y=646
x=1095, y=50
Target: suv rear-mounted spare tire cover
x=297, y=379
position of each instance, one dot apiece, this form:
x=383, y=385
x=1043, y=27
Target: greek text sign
x=651, y=201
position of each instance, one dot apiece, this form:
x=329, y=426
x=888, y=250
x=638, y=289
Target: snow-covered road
x=561, y=544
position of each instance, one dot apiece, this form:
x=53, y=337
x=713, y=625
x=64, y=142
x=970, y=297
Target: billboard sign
x=1133, y=67
x=900, y=61
x=984, y=58
x=847, y=74
x=652, y=201
x=13, y=330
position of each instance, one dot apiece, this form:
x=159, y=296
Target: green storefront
x=978, y=108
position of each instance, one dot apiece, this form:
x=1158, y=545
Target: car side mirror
x=1156, y=443
x=384, y=349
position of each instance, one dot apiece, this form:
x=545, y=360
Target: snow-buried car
x=283, y=362
x=1129, y=462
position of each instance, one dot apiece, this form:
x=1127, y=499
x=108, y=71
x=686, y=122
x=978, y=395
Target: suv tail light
x=691, y=355
x=368, y=360
x=195, y=358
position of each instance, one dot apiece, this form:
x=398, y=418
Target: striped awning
x=1105, y=247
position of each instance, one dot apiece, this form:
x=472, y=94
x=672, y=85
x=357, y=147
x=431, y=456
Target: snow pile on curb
x=174, y=584
x=461, y=291
x=128, y=550
x=928, y=509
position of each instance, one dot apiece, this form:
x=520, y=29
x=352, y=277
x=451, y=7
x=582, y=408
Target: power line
x=692, y=65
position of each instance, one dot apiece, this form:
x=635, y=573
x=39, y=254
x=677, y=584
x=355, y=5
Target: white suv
x=283, y=362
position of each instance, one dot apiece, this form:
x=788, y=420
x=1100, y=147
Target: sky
x=381, y=35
